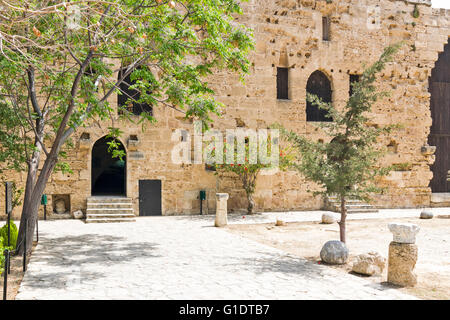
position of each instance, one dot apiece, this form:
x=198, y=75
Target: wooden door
x=440, y=113
x=150, y=198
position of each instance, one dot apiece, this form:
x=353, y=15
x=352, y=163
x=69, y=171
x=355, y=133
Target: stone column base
x=221, y=209
x=402, y=260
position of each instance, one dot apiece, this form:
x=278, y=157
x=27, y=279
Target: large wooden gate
x=440, y=113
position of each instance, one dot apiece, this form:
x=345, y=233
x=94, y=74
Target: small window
x=353, y=78
x=282, y=83
x=320, y=86
x=128, y=97
x=326, y=28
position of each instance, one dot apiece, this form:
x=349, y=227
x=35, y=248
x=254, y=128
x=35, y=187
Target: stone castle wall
x=288, y=33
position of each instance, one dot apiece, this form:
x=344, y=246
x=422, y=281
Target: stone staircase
x=103, y=209
x=440, y=200
x=353, y=206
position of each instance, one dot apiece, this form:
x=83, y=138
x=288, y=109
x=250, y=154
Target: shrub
x=4, y=234
x=2, y=257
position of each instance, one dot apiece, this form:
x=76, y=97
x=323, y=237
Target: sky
x=441, y=3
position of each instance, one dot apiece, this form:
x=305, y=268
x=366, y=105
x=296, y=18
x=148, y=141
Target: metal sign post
x=5, y=273
x=8, y=207
x=202, y=198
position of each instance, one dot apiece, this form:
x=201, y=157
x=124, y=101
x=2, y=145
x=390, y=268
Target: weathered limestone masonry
x=289, y=34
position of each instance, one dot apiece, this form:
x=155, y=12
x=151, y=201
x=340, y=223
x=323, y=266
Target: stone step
x=366, y=208
x=440, y=200
x=109, y=210
x=372, y=210
x=347, y=201
x=109, y=200
x=94, y=205
x=105, y=209
x=109, y=220
x=356, y=210
x=359, y=206
x=352, y=205
x=110, y=215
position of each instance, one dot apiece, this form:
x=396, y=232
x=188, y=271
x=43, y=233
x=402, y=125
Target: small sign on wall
x=135, y=155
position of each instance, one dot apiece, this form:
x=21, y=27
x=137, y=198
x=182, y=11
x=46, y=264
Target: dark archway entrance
x=108, y=175
x=319, y=85
x=439, y=88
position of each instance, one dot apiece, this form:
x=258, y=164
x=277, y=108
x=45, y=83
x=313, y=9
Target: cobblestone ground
x=176, y=258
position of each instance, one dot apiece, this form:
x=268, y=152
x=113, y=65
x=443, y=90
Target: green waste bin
x=44, y=199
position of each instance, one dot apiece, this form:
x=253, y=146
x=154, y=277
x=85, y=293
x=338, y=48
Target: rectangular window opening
x=353, y=78
x=128, y=98
x=282, y=83
x=325, y=28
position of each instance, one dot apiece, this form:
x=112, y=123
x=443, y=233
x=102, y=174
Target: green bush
x=14, y=234
x=2, y=257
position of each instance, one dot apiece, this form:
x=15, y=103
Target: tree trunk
x=31, y=207
x=343, y=219
x=251, y=204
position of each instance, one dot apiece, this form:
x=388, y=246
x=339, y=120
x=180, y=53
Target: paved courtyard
x=178, y=258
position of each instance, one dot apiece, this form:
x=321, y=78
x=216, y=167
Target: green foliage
x=69, y=60
x=4, y=235
x=248, y=170
x=347, y=165
x=404, y=166
x=2, y=259
x=16, y=193
x=13, y=144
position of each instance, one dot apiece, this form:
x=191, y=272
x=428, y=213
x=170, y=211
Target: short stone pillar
x=403, y=254
x=221, y=209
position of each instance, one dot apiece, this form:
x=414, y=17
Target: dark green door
x=150, y=198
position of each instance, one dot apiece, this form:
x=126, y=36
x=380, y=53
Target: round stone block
x=334, y=252
x=328, y=218
x=426, y=214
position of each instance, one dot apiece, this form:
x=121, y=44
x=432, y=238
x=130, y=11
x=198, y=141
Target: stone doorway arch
x=439, y=88
x=108, y=174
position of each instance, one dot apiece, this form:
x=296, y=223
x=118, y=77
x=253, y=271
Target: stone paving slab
x=176, y=258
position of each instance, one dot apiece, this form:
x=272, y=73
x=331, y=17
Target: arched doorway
x=319, y=85
x=439, y=87
x=108, y=175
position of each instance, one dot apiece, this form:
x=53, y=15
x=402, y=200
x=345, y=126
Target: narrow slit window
x=282, y=83
x=326, y=28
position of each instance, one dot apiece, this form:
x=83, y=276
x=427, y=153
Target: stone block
x=328, y=218
x=404, y=232
x=426, y=214
x=369, y=264
x=402, y=260
x=334, y=252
